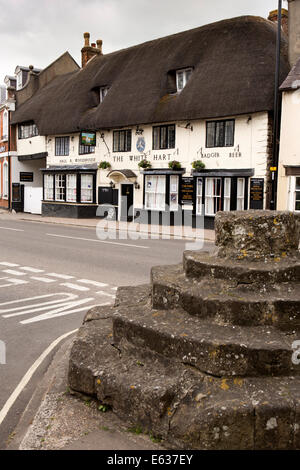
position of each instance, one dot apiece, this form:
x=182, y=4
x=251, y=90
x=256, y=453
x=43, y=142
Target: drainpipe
x=9, y=165
x=274, y=168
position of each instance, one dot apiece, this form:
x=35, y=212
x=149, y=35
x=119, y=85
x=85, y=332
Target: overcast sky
x=38, y=31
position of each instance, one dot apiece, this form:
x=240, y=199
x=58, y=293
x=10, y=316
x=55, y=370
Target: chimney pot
x=99, y=45
x=86, y=39
x=273, y=16
x=93, y=44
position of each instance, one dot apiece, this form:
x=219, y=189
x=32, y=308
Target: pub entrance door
x=126, y=202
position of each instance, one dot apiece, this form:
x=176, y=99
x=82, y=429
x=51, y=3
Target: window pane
x=121, y=141
x=171, y=137
x=86, y=188
x=116, y=141
x=210, y=134
x=163, y=137
x=156, y=138
x=179, y=81
x=227, y=184
x=229, y=133
x=220, y=134
x=128, y=141
x=188, y=74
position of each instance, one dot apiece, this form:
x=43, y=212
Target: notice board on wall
x=256, y=193
x=187, y=190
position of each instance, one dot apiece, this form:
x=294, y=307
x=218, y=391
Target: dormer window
x=182, y=77
x=27, y=130
x=103, y=92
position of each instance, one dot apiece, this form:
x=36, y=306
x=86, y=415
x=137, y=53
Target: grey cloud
x=38, y=31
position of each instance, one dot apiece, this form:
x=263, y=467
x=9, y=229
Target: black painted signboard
x=187, y=190
x=26, y=176
x=16, y=192
x=256, y=193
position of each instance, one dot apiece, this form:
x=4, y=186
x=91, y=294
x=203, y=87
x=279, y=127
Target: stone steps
x=187, y=408
x=225, y=302
x=201, y=265
x=210, y=348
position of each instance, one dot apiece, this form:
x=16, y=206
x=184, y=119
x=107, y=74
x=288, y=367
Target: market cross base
x=208, y=355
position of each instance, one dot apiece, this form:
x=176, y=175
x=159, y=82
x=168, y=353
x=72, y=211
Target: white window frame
x=103, y=92
x=227, y=193
x=85, y=190
x=186, y=75
x=5, y=126
x=153, y=190
x=292, y=194
x=60, y=187
x=5, y=180
x=174, y=193
x=214, y=197
x=240, y=197
x=199, y=197
x=71, y=187
x=48, y=187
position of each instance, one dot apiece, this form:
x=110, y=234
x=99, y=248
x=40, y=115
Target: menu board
x=256, y=193
x=187, y=190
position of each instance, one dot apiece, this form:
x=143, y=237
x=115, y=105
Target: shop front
x=69, y=191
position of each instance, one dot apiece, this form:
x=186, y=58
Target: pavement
x=176, y=232
x=55, y=419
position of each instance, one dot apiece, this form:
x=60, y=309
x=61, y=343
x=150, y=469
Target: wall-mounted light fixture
x=138, y=131
x=249, y=119
x=136, y=185
x=49, y=140
x=189, y=126
x=112, y=185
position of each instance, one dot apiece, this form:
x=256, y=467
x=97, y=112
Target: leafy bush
x=104, y=165
x=175, y=165
x=198, y=165
x=144, y=164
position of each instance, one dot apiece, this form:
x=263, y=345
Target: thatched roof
x=234, y=69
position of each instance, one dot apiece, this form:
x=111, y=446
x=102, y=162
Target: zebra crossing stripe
x=13, y=272
x=9, y=265
x=60, y=276
x=43, y=279
x=92, y=283
x=31, y=270
x=74, y=286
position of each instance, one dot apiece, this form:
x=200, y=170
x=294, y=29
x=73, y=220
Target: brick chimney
x=273, y=16
x=294, y=31
x=88, y=51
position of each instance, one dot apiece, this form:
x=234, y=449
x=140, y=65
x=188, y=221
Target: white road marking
x=31, y=270
x=10, y=265
x=60, y=276
x=98, y=241
x=14, y=229
x=24, y=381
x=61, y=311
x=42, y=279
x=114, y=288
x=93, y=283
x=105, y=294
x=13, y=272
x=35, y=298
x=74, y=286
x=31, y=308
x=14, y=282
